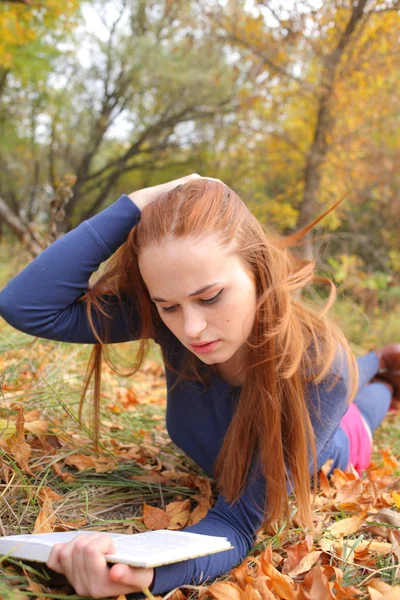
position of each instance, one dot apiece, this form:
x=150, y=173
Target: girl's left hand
x=82, y=561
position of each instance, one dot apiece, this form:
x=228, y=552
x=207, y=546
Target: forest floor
x=52, y=480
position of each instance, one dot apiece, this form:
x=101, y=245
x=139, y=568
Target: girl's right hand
x=145, y=196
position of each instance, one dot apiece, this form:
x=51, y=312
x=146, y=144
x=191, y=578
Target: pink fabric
x=360, y=438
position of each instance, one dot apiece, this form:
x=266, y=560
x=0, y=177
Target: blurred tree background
x=294, y=104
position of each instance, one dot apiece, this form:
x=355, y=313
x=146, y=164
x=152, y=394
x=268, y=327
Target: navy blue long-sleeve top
x=42, y=300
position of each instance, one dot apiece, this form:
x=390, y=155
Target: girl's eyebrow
x=200, y=291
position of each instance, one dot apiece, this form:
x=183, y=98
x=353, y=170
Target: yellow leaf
x=396, y=498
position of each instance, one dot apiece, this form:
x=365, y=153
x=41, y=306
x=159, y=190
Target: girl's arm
x=43, y=299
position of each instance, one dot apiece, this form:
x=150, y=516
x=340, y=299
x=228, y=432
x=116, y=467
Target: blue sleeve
x=42, y=300
x=238, y=522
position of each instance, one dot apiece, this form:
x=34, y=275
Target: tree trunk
x=325, y=122
x=26, y=236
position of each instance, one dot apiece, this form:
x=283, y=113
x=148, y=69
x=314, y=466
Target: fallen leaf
x=200, y=511
x=306, y=563
x=80, y=461
x=317, y=586
x=38, y=427
x=349, y=491
x=346, y=526
x=224, y=590
x=282, y=584
x=34, y=587
x=50, y=493
x=385, y=515
x=178, y=513
x=104, y=464
x=46, y=519
x=396, y=498
x=296, y=553
x=155, y=518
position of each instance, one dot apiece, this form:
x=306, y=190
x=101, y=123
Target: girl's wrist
x=139, y=199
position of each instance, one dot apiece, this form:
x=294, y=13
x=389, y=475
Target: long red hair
x=291, y=345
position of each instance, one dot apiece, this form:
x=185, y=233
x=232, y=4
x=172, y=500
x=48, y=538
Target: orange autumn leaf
x=349, y=491
x=224, y=590
x=263, y=584
x=305, y=564
x=282, y=585
x=296, y=553
x=316, y=585
x=249, y=593
x=155, y=518
x=46, y=519
x=178, y=513
x=243, y=573
x=200, y=511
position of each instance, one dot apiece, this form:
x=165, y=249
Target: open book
x=149, y=549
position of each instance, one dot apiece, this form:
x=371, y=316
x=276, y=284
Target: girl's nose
x=194, y=325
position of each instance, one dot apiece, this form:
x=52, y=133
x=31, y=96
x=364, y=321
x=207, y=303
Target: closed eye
x=212, y=300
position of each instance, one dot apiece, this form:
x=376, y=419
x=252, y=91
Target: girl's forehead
x=195, y=261
x=186, y=250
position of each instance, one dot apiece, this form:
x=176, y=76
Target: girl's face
x=205, y=296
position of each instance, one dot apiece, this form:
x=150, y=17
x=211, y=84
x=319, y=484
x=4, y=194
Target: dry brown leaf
x=249, y=593
x=38, y=427
x=306, y=563
x=282, y=584
x=200, y=511
x=347, y=526
x=316, y=585
x=296, y=553
x=21, y=452
x=67, y=477
x=46, y=519
x=379, y=585
x=262, y=585
x=243, y=573
x=34, y=587
x=349, y=591
x=224, y=590
x=50, y=493
x=178, y=513
x=349, y=491
x=155, y=518
x=385, y=515
x=379, y=592
x=177, y=595
x=104, y=464
x=380, y=547
x=80, y=461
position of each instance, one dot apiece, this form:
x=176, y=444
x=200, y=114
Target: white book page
x=142, y=550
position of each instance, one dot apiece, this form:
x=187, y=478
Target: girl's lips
x=209, y=347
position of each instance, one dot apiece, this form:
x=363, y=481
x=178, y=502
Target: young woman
x=260, y=385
